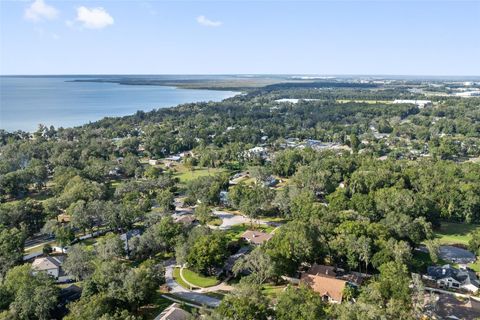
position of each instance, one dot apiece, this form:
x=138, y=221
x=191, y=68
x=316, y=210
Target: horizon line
x=244, y=74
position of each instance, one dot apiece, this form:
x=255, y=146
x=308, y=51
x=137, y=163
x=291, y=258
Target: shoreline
x=67, y=123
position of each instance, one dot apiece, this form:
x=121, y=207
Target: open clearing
x=454, y=233
x=199, y=280
x=185, y=175
x=178, y=279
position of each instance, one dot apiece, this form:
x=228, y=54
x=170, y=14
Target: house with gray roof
x=452, y=278
x=51, y=265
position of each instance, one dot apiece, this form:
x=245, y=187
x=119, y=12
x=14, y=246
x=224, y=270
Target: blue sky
x=222, y=37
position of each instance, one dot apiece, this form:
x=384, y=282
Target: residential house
x=330, y=282
x=228, y=266
x=51, y=265
x=173, y=312
x=256, y=237
x=330, y=288
x=153, y=162
x=186, y=219
x=173, y=158
x=452, y=278
x=270, y=181
x=256, y=152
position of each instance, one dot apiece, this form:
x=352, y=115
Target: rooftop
x=48, y=263
x=325, y=285
x=256, y=237
x=173, y=312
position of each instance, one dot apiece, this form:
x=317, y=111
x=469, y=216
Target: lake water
x=26, y=102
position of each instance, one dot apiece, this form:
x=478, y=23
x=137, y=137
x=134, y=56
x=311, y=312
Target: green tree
x=11, y=248
x=130, y=164
x=110, y=246
x=79, y=262
x=64, y=235
x=152, y=172
x=294, y=243
x=203, y=213
x=33, y=296
x=433, y=247
x=300, y=303
x=257, y=263
x=474, y=242
x=165, y=200
x=246, y=302
x=208, y=252
x=92, y=307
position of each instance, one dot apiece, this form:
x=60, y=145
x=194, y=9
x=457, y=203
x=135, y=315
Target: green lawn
x=215, y=222
x=271, y=290
x=454, y=233
x=185, y=175
x=198, y=279
x=176, y=276
x=40, y=247
x=475, y=266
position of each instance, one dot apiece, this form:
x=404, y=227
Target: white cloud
x=39, y=10
x=204, y=21
x=93, y=18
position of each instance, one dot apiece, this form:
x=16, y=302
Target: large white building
x=418, y=103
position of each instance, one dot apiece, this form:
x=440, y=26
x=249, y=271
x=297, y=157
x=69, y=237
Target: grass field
x=215, y=222
x=271, y=290
x=178, y=279
x=185, y=175
x=198, y=279
x=454, y=233
x=39, y=248
x=475, y=266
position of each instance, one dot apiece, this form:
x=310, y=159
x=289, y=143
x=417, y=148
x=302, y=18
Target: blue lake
x=26, y=102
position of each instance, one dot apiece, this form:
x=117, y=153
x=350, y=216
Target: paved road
x=182, y=293
x=39, y=239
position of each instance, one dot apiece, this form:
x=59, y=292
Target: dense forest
x=364, y=182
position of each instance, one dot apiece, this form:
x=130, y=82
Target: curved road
x=182, y=293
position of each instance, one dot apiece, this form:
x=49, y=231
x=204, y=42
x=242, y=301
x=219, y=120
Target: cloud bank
x=39, y=10
x=204, y=21
x=94, y=18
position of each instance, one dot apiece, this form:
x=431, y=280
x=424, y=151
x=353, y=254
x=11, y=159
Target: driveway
x=456, y=254
x=185, y=294
x=230, y=219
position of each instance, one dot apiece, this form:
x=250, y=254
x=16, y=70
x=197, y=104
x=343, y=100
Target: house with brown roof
x=186, y=219
x=330, y=281
x=256, y=237
x=330, y=288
